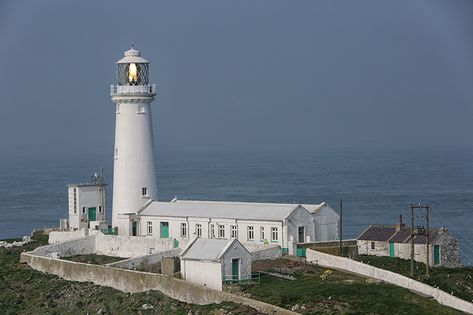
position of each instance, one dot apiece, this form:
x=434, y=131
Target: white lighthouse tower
x=134, y=172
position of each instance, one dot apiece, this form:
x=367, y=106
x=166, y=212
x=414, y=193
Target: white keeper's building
x=285, y=225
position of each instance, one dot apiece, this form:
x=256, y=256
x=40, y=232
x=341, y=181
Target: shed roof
x=207, y=249
x=220, y=209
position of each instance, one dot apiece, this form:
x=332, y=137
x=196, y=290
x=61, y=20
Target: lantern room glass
x=132, y=73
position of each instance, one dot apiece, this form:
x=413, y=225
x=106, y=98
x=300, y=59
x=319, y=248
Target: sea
x=376, y=186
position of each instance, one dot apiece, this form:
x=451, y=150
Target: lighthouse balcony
x=145, y=89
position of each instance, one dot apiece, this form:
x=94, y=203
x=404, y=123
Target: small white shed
x=209, y=262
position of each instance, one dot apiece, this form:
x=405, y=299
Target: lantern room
x=132, y=69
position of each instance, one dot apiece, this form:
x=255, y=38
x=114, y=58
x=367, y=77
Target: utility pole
x=412, y=240
x=425, y=232
x=340, y=229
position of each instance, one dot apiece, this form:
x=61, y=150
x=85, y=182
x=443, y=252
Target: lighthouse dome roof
x=132, y=56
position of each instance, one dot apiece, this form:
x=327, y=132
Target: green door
x=436, y=254
x=235, y=269
x=391, y=249
x=164, y=228
x=92, y=214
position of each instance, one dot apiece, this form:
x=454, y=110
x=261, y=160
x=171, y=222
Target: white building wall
x=90, y=196
x=301, y=218
x=204, y=273
x=236, y=251
x=326, y=224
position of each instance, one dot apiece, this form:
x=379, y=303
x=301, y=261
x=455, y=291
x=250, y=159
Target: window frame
x=233, y=231
x=274, y=234
x=144, y=192
x=184, y=230
x=250, y=233
x=198, y=230
x=149, y=229
x=221, y=231
x=261, y=234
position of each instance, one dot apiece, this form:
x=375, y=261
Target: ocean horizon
x=375, y=185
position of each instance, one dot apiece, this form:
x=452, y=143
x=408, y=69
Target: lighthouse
x=134, y=170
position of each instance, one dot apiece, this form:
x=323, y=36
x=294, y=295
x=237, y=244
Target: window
x=117, y=109
x=261, y=234
x=198, y=230
x=274, y=234
x=83, y=210
x=183, y=229
x=233, y=231
x=116, y=152
x=141, y=109
x=212, y=231
x=251, y=233
x=221, y=231
x=100, y=209
x=372, y=245
x=144, y=191
x=150, y=228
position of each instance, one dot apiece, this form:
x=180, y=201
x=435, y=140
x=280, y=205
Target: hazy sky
x=240, y=74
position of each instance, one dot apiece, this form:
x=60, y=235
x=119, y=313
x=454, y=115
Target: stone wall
x=345, y=264
x=137, y=262
x=130, y=246
x=64, y=236
x=136, y=281
x=81, y=246
x=271, y=253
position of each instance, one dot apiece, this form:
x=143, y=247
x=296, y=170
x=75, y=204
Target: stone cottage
x=395, y=241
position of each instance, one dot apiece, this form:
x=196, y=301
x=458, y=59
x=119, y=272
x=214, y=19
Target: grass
x=93, y=259
x=25, y=291
x=340, y=293
x=458, y=281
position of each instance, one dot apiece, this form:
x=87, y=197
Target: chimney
x=400, y=225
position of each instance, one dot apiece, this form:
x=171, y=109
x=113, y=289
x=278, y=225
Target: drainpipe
x=208, y=228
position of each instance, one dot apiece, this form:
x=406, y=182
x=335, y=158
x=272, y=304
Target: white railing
x=132, y=89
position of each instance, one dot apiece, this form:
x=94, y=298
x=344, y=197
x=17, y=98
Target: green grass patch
x=316, y=291
x=458, y=281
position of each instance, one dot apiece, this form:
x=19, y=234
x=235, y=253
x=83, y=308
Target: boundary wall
x=132, y=263
x=268, y=253
x=356, y=267
x=137, y=281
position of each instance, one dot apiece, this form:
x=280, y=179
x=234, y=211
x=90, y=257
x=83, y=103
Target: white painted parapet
x=345, y=264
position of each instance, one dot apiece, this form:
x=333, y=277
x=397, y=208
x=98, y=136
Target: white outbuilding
x=210, y=262
x=87, y=204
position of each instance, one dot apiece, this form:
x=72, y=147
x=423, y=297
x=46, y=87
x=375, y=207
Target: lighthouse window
x=83, y=210
x=144, y=191
x=117, y=109
x=75, y=200
x=100, y=209
x=141, y=109
x=116, y=152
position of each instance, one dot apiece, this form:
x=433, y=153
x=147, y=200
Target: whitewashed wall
x=204, y=273
x=130, y=246
x=326, y=224
x=64, y=236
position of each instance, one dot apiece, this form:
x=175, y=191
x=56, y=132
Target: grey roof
x=403, y=235
x=206, y=249
x=377, y=233
x=219, y=209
